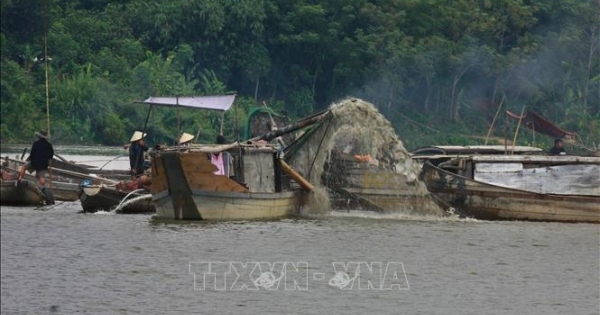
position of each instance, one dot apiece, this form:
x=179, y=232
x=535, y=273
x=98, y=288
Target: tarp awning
x=216, y=102
x=539, y=124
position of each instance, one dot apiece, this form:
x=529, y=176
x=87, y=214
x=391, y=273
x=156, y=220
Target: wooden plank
x=159, y=178
x=181, y=195
x=212, y=182
x=545, y=159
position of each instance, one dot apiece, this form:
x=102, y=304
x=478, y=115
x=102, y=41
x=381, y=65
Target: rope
x=111, y=160
x=318, y=149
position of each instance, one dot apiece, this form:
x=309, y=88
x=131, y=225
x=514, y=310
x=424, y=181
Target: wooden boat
x=15, y=192
x=517, y=187
x=362, y=165
x=20, y=193
x=64, y=178
x=108, y=197
x=356, y=184
x=184, y=185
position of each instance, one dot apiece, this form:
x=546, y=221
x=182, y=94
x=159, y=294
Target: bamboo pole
x=47, y=102
x=517, y=131
x=533, y=128
x=222, y=122
x=47, y=85
x=178, y=118
x=494, y=120
x=78, y=175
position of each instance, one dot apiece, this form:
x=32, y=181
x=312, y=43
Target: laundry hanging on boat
x=217, y=160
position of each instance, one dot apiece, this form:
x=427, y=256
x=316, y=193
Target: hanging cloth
x=217, y=160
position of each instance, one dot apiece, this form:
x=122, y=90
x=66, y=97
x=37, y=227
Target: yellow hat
x=185, y=137
x=137, y=136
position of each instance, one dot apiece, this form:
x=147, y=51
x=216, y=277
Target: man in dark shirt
x=557, y=149
x=39, y=158
x=136, y=153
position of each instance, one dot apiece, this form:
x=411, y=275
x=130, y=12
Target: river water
x=59, y=261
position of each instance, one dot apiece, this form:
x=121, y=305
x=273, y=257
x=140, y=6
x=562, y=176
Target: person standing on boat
x=137, y=148
x=39, y=160
x=558, y=148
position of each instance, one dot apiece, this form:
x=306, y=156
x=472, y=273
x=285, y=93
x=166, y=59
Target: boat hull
x=101, y=198
x=23, y=193
x=490, y=202
x=185, y=188
x=217, y=206
x=360, y=185
x=64, y=191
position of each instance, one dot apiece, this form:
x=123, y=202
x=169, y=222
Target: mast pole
x=178, y=120
x=47, y=85
x=517, y=131
x=494, y=120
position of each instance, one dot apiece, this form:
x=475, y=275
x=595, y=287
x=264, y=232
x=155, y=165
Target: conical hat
x=42, y=134
x=185, y=137
x=137, y=136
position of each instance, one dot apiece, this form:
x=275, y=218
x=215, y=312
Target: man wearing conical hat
x=136, y=153
x=185, y=139
x=39, y=159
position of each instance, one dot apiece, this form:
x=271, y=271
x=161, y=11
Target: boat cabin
x=225, y=168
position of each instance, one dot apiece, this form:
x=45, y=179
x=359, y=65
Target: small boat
x=252, y=186
x=20, y=193
x=516, y=187
x=64, y=178
x=103, y=197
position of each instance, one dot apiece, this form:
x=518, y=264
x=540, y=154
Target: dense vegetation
x=437, y=69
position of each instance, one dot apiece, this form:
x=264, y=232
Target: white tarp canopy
x=216, y=102
x=573, y=179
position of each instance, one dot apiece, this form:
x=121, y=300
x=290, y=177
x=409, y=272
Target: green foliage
x=440, y=67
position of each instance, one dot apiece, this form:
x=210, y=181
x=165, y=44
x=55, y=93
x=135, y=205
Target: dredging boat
x=527, y=186
x=356, y=156
x=238, y=181
x=250, y=183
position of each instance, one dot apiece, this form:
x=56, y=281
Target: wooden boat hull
x=24, y=193
x=64, y=178
x=185, y=188
x=229, y=206
x=102, y=198
x=490, y=202
x=354, y=185
x=63, y=189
